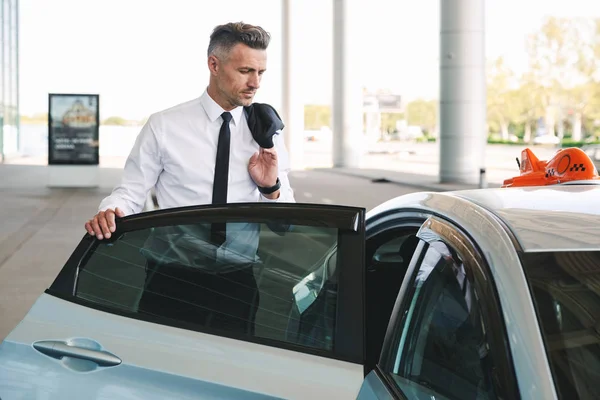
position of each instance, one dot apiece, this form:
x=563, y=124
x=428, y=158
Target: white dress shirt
x=175, y=152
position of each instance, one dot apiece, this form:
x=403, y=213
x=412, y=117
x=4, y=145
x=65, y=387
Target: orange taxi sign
x=570, y=164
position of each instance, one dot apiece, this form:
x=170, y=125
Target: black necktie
x=221, y=176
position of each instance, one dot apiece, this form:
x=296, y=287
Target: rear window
x=566, y=293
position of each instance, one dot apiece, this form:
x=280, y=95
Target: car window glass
x=566, y=292
x=255, y=284
x=443, y=349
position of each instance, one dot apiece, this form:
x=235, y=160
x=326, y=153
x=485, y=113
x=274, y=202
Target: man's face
x=238, y=76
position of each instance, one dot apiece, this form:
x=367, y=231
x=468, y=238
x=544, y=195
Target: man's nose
x=254, y=81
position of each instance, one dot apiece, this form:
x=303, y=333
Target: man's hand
x=103, y=223
x=263, y=169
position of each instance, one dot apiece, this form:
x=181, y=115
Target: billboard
x=73, y=129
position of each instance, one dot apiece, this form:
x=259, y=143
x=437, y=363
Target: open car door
x=162, y=310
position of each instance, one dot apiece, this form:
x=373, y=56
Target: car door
x=161, y=312
x=447, y=338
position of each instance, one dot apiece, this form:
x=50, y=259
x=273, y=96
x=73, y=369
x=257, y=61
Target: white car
x=481, y=294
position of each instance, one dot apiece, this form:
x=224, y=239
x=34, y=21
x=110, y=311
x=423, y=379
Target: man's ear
x=213, y=64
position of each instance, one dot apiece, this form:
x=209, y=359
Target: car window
x=246, y=287
x=566, y=293
x=442, y=348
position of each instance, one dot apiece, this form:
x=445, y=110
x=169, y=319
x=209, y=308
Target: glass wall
x=9, y=62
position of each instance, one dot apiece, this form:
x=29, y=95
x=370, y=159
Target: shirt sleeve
x=142, y=168
x=286, y=193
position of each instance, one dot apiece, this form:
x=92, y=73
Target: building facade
x=9, y=63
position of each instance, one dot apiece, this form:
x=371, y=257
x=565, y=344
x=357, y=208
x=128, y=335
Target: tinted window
x=566, y=294
x=442, y=347
x=269, y=283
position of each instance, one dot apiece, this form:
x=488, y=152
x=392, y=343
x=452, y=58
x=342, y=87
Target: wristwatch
x=272, y=189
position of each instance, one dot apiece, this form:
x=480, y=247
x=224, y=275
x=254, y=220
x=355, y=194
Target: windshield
x=566, y=292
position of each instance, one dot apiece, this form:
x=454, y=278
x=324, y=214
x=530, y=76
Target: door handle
x=58, y=349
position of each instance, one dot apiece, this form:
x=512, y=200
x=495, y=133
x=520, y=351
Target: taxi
x=477, y=294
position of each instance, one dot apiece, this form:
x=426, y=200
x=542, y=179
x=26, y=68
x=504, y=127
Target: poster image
x=73, y=129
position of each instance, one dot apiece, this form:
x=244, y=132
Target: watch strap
x=272, y=189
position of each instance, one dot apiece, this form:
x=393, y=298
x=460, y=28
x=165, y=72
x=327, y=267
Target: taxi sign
x=567, y=165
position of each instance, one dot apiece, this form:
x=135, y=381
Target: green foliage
x=389, y=121
x=561, y=85
x=316, y=116
x=574, y=143
x=422, y=113
x=120, y=121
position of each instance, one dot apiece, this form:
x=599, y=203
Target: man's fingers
x=89, y=229
x=103, y=222
x=110, y=220
x=119, y=212
x=96, y=228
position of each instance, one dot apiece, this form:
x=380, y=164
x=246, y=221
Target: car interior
x=388, y=256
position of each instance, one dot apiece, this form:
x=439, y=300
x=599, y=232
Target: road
x=333, y=188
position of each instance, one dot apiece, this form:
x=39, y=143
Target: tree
x=529, y=98
x=115, y=121
x=389, y=121
x=316, y=116
x=423, y=113
x=557, y=60
x=501, y=106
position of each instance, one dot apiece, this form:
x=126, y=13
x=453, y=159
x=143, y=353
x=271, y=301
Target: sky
x=142, y=56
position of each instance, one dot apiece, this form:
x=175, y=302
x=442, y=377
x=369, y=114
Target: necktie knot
x=226, y=116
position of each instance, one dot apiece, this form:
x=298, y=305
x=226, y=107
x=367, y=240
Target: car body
x=429, y=295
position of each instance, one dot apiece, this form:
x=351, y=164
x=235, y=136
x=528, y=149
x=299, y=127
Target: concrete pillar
x=347, y=113
x=292, y=99
x=17, y=78
x=462, y=91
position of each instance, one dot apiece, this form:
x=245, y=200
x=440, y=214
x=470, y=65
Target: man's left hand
x=263, y=167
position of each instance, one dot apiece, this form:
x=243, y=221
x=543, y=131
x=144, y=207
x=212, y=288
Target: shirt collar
x=214, y=111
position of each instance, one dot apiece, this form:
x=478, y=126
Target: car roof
x=547, y=218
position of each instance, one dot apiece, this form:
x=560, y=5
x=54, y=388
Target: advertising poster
x=73, y=129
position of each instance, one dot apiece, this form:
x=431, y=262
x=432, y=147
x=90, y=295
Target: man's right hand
x=103, y=223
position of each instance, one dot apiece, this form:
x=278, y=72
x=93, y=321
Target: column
x=292, y=99
x=347, y=113
x=462, y=91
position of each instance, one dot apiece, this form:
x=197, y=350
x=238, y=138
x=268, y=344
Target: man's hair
x=225, y=37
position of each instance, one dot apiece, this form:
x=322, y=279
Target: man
x=206, y=151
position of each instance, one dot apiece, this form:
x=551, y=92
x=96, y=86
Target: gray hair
x=225, y=37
